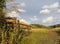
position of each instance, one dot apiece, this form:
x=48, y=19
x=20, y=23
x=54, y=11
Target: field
x=41, y=36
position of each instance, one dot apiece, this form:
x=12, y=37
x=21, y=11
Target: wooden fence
x=12, y=31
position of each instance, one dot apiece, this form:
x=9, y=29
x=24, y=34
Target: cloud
x=45, y=6
x=12, y=14
x=54, y=5
x=23, y=4
x=48, y=19
x=34, y=18
x=58, y=10
x=24, y=21
x=45, y=11
x=52, y=8
x=21, y=10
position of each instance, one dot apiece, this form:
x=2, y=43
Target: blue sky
x=46, y=12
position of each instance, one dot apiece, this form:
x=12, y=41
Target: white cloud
x=12, y=14
x=45, y=11
x=34, y=18
x=24, y=21
x=17, y=4
x=58, y=10
x=21, y=10
x=54, y=5
x=48, y=19
x=23, y=4
x=45, y=6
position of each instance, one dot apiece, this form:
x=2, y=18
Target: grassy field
x=41, y=36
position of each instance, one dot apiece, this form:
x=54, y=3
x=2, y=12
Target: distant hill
x=55, y=26
x=43, y=26
x=38, y=26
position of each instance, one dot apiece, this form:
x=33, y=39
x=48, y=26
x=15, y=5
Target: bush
x=58, y=32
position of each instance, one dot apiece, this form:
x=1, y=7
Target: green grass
x=39, y=37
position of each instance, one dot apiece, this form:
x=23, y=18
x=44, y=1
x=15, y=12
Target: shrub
x=58, y=32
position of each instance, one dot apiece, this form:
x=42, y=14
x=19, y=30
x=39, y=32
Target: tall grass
x=41, y=37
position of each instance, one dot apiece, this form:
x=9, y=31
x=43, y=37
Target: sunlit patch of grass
x=41, y=30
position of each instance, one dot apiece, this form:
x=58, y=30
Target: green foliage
x=2, y=13
x=55, y=26
x=2, y=4
x=58, y=32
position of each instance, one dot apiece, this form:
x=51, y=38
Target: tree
x=9, y=35
x=2, y=20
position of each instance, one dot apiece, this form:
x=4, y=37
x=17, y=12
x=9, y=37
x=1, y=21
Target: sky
x=45, y=12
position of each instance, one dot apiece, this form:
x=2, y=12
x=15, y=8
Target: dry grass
x=41, y=36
